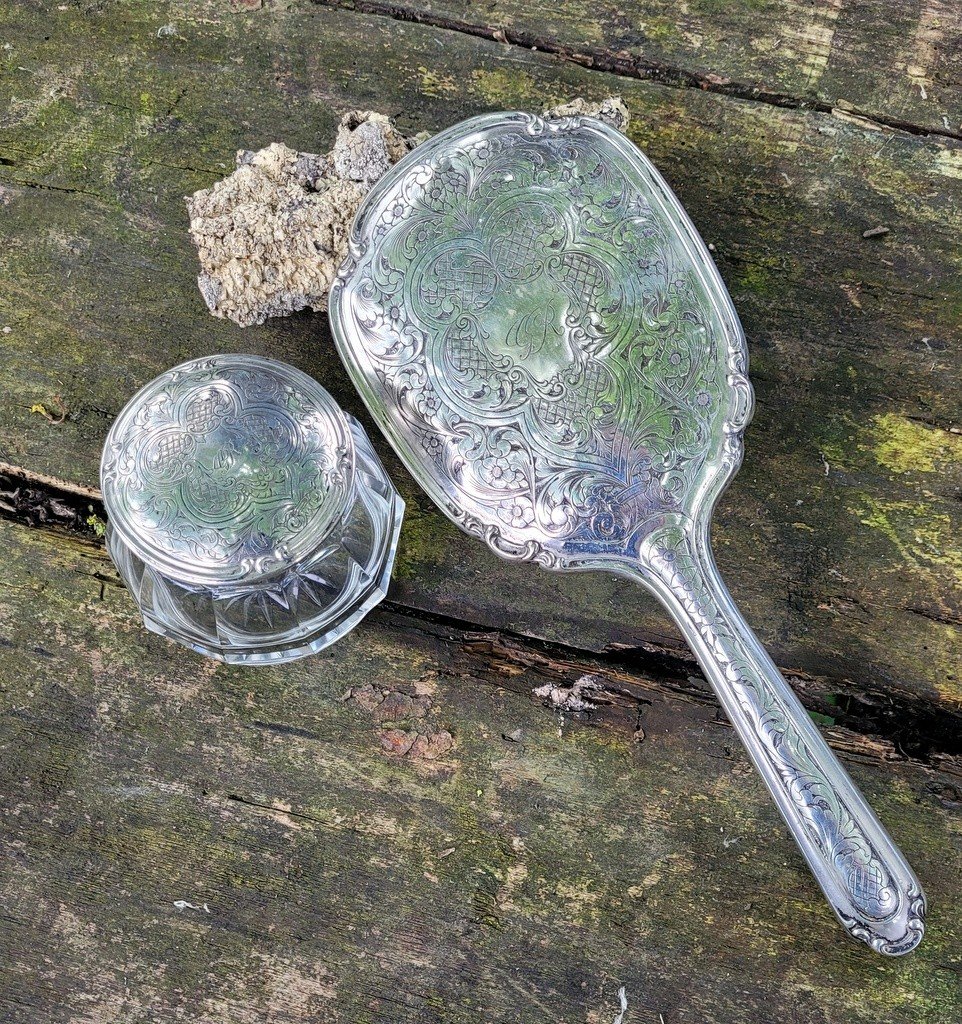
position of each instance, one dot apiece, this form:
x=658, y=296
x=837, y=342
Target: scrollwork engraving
x=225, y=467
x=540, y=328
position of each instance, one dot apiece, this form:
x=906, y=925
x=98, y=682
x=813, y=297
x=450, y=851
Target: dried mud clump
x=271, y=236
x=611, y=110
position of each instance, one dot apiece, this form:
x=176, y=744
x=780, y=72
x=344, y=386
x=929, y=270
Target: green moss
x=757, y=277
x=838, y=451
x=821, y=719
x=905, y=446
x=660, y=30
x=425, y=536
x=96, y=524
x=891, y=442
x=434, y=84
x=511, y=90
x=922, y=537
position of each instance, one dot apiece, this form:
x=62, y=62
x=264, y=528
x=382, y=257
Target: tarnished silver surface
x=248, y=515
x=537, y=327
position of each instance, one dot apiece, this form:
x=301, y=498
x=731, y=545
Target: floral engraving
x=546, y=341
x=540, y=326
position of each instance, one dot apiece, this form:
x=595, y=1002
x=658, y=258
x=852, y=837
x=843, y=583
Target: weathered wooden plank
x=183, y=840
x=840, y=535
x=895, y=62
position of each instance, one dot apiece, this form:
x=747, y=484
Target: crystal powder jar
x=247, y=513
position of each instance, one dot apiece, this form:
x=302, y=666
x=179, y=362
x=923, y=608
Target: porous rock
x=271, y=235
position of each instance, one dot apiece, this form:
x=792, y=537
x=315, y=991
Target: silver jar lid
x=226, y=469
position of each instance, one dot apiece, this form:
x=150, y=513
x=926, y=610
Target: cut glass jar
x=247, y=513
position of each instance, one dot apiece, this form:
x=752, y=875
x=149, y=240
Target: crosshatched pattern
x=538, y=325
x=248, y=515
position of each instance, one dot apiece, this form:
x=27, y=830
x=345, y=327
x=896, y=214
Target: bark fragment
x=271, y=236
x=611, y=110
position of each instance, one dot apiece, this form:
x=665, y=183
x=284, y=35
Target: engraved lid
x=227, y=469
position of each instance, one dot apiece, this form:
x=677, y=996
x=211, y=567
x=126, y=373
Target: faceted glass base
x=302, y=609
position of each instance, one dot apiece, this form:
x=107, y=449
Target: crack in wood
x=866, y=723
x=628, y=65
x=275, y=810
x=935, y=616
x=931, y=421
x=916, y=729
x=26, y=183
x=282, y=729
x=39, y=500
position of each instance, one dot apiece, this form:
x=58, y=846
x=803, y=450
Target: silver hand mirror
x=538, y=329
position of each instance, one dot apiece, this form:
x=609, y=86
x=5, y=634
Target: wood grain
x=536, y=862
x=188, y=841
x=896, y=64
x=840, y=536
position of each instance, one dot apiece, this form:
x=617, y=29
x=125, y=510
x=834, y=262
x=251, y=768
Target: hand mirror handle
x=863, y=874
x=536, y=325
